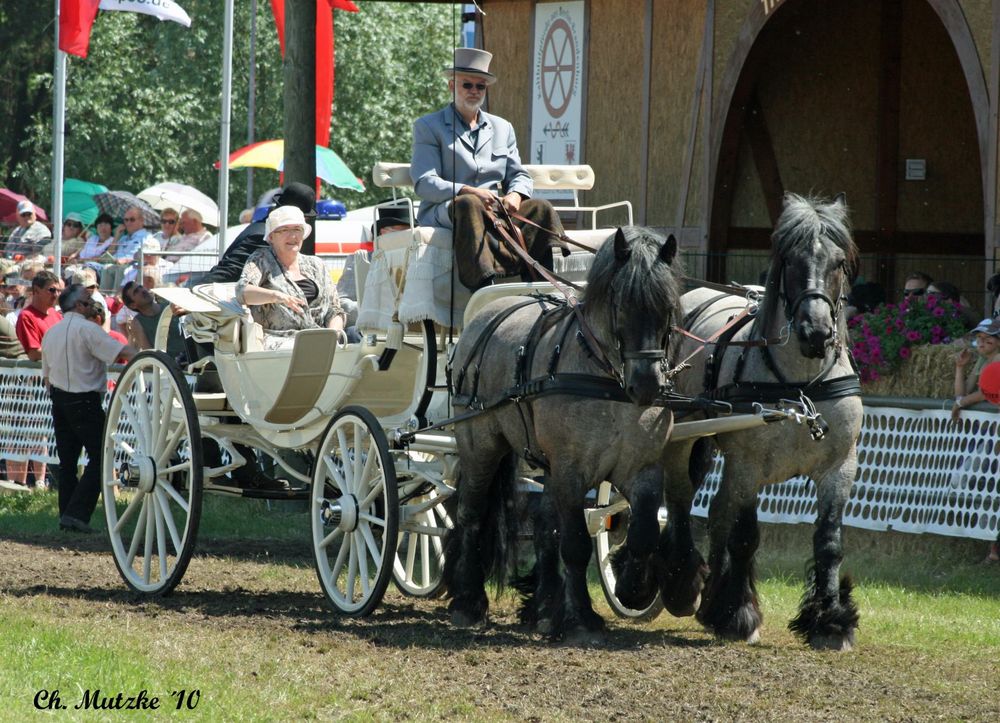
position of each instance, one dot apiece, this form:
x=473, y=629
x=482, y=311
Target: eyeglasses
x=478, y=86
x=286, y=231
x=913, y=292
x=53, y=289
x=92, y=287
x=74, y=224
x=26, y=214
x=131, y=218
x=171, y=221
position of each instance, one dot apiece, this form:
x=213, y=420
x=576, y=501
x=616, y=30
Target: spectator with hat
x=251, y=239
x=987, y=343
x=30, y=235
x=462, y=158
x=75, y=357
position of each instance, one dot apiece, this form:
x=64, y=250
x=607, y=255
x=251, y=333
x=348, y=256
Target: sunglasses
x=26, y=214
x=53, y=289
x=478, y=86
x=168, y=220
x=91, y=286
x=913, y=292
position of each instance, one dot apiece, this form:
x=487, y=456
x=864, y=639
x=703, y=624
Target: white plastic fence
x=918, y=472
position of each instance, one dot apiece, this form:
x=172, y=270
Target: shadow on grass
x=394, y=624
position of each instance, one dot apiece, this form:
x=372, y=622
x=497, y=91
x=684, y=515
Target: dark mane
x=643, y=284
x=802, y=221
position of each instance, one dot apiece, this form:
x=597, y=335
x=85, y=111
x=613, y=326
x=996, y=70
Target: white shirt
x=76, y=353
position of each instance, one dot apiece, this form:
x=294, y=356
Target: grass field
x=248, y=630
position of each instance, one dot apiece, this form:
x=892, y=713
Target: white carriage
x=362, y=414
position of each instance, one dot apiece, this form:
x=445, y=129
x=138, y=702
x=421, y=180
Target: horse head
x=633, y=300
x=813, y=260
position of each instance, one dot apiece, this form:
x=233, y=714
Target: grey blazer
x=444, y=160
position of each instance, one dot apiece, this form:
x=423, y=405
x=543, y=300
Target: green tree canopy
x=144, y=106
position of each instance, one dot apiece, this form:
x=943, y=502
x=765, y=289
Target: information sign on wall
x=557, y=107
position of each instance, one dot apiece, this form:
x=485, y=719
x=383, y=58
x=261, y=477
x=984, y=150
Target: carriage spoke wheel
x=354, y=507
x=151, y=473
x=425, y=489
x=613, y=510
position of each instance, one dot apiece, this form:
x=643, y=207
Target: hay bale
x=929, y=372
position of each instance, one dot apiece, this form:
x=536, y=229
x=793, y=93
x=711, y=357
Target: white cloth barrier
x=917, y=471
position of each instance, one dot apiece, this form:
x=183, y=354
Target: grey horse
x=596, y=425
x=802, y=318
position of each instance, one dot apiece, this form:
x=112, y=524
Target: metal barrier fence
x=918, y=472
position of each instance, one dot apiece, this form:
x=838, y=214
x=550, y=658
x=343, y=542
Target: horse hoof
x=462, y=619
x=544, y=626
x=582, y=637
x=837, y=643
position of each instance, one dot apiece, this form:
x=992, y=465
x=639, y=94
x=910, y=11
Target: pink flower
x=904, y=352
x=899, y=324
x=938, y=311
x=912, y=335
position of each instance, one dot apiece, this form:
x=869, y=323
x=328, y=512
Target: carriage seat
x=228, y=325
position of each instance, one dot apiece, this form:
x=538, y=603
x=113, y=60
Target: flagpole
x=227, y=101
x=58, y=137
x=251, y=96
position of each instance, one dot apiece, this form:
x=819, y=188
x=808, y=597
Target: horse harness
x=818, y=389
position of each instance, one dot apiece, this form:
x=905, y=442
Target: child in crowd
x=967, y=392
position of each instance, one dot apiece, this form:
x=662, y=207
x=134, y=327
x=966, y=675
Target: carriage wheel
x=609, y=537
x=424, y=521
x=152, y=473
x=354, y=508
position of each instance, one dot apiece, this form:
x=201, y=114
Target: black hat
x=297, y=194
x=391, y=216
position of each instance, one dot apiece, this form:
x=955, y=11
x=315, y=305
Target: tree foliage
x=145, y=105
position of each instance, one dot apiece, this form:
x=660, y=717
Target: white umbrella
x=180, y=197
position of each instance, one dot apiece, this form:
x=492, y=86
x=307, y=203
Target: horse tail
x=500, y=529
x=497, y=532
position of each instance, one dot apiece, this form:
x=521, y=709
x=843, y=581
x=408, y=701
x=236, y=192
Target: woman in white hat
x=285, y=290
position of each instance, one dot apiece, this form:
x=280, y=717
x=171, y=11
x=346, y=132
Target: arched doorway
x=857, y=99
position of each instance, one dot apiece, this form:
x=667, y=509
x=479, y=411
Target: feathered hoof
x=581, y=636
x=837, y=643
x=544, y=626
x=466, y=620
x=682, y=609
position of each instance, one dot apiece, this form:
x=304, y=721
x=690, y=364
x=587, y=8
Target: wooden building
x=703, y=112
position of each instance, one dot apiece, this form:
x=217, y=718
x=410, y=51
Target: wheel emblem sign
x=558, y=67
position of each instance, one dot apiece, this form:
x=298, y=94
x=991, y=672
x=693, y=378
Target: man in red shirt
x=40, y=315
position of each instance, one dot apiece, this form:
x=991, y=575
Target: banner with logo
x=557, y=103
x=162, y=9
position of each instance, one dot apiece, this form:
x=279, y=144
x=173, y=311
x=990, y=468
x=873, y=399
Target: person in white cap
x=30, y=235
x=465, y=162
x=285, y=290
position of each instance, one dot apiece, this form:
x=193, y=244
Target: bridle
x=791, y=306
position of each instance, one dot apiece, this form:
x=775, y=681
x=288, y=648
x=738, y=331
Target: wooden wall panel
x=677, y=35
x=937, y=124
x=507, y=34
x=614, y=99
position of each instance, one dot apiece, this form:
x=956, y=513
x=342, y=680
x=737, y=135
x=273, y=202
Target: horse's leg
x=828, y=615
x=729, y=605
x=541, y=589
x=636, y=585
x=575, y=615
x=469, y=555
x=681, y=570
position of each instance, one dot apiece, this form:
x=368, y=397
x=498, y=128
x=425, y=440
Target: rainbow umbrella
x=271, y=154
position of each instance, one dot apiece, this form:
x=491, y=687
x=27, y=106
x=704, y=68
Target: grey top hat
x=472, y=61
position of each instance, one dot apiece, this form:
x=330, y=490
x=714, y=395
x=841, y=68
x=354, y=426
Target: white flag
x=162, y=9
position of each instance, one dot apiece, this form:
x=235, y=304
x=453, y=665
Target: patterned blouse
x=263, y=269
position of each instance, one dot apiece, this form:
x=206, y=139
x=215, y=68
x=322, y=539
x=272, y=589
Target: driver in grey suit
x=465, y=161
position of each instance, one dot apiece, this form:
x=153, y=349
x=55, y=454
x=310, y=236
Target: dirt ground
x=406, y=662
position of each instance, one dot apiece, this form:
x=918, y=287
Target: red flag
x=76, y=17
x=324, y=57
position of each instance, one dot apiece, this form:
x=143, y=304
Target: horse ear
x=622, y=250
x=668, y=250
x=840, y=199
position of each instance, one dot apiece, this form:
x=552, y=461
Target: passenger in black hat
x=251, y=238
